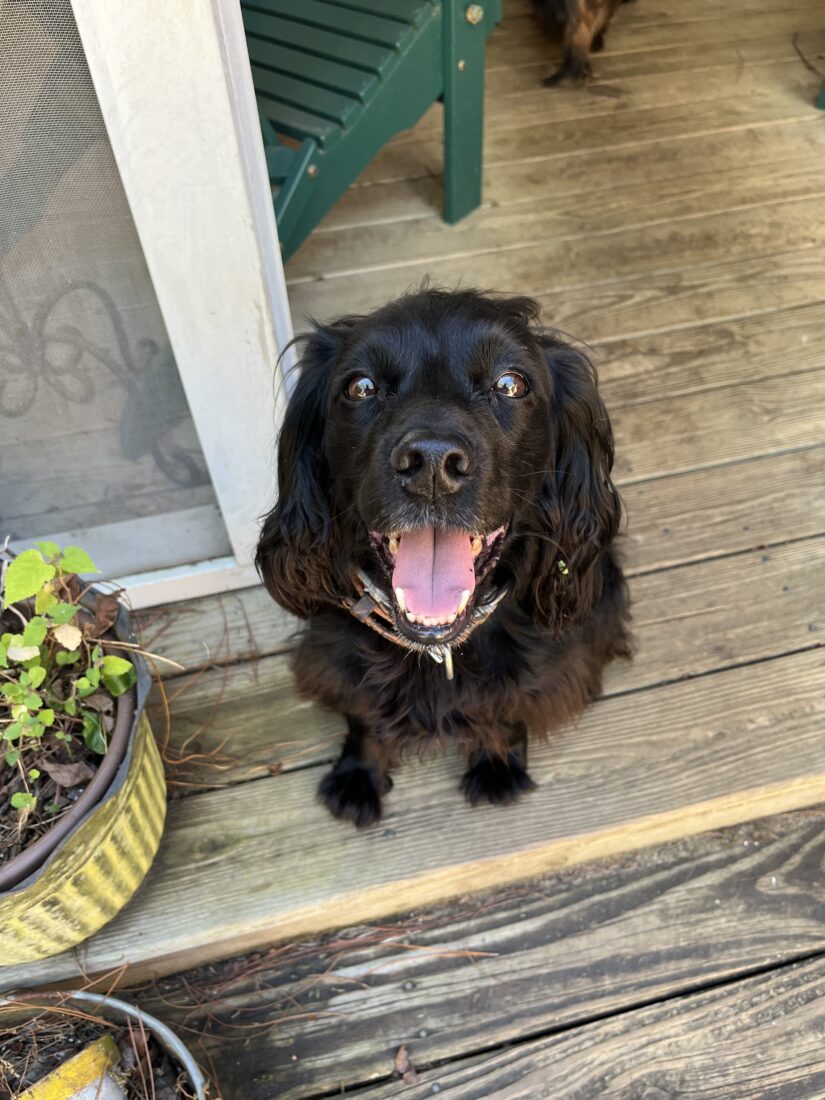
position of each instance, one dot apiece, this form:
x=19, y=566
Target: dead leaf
x=99, y=700
x=404, y=1066
x=67, y=775
x=22, y=652
x=68, y=635
x=106, y=612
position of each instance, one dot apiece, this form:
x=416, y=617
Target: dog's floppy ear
x=298, y=542
x=580, y=509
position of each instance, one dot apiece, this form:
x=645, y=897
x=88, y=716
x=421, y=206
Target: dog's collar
x=372, y=607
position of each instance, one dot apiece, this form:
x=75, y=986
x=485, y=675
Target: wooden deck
x=672, y=215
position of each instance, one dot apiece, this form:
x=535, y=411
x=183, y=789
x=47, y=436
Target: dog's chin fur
x=540, y=470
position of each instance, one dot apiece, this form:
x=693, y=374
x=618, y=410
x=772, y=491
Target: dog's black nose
x=429, y=466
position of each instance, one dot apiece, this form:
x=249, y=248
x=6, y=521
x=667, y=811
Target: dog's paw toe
x=496, y=781
x=573, y=74
x=352, y=794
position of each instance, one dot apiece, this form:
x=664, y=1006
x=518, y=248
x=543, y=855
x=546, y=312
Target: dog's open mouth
x=435, y=576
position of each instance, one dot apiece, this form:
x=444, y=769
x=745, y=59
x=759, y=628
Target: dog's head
x=445, y=445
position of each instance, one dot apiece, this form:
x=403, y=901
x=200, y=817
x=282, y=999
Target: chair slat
x=315, y=41
x=315, y=70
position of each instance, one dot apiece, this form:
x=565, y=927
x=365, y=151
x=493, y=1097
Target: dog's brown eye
x=359, y=389
x=511, y=384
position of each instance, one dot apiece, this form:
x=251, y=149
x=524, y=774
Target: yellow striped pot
x=97, y=868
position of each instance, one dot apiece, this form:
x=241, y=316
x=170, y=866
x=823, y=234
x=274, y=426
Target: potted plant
x=82, y=792
x=61, y=1046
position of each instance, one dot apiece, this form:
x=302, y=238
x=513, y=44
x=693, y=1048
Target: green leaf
x=49, y=549
x=13, y=692
x=4, y=662
x=22, y=800
x=75, y=560
x=33, y=701
x=53, y=808
x=97, y=654
x=118, y=674
x=46, y=716
x=26, y=575
x=70, y=707
x=63, y=613
x=13, y=732
x=35, y=632
x=36, y=676
x=115, y=666
x=93, y=676
x=34, y=729
x=34, y=773
x=64, y=657
x=12, y=757
x=92, y=733
x=83, y=687
x=44, y=599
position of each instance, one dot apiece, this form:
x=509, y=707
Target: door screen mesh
x=94, y=425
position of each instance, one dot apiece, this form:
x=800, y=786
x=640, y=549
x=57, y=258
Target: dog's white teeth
x=399, y=596
x=465, y=599
x=478, y=543
x=392, y=546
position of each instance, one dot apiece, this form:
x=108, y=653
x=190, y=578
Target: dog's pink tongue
x=434, y=568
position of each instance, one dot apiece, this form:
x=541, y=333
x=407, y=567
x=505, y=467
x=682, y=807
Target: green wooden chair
x=335, y=79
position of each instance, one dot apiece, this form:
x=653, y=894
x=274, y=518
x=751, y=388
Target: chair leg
x=464, y=43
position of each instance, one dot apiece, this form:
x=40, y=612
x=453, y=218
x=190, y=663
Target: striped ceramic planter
x=97, y=868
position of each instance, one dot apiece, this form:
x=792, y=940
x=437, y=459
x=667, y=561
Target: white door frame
x=175, y=89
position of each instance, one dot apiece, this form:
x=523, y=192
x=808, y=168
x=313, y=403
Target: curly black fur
x=541, y=466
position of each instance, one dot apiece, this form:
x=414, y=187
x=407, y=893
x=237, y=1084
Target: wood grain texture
x=665, y=200
x=639, y=770
x=517, y=42
x=539, y=267
x=671, y=297
x=244, y=720
x=572, y=186
x=552, y=133
x=761, y=1037
x=705, y=357
x=500, y=968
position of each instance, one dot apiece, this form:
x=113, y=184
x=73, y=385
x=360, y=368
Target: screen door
x=97, y=441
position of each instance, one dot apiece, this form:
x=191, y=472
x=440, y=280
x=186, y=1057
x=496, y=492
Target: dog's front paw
x=494, y=780
x=353, y=794
x=572, y=72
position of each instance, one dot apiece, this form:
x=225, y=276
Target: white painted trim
x=185, y=582
x=176, y=94
x=121, y=547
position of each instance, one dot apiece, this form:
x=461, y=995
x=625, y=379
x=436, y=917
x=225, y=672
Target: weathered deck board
x=635, y=50
x=538, y=267
x=569, y=212
x=686, y=623
x=500, y=968
x=760, y=1037
x=673, y=297
x=639, y=770
x=587, y=173
x=546, y=139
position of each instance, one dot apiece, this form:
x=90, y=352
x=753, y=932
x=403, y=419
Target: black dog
x=446, y=524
